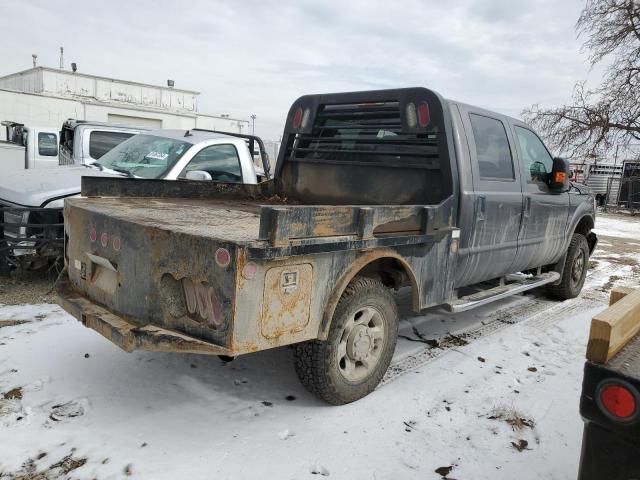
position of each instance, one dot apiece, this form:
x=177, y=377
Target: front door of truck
x=493, y=242
x=544, y=223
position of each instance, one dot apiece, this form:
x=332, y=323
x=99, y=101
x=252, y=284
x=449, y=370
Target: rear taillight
x=297, y=118
x=423, y=114
x=412, y=116
x=618, y=401
x=305, y=118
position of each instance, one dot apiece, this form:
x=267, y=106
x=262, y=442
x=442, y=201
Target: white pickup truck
x=31, y=223
x=28, y=147
x=78, y=142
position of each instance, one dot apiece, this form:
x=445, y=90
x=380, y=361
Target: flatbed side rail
x=281, y=224
x=193, y=189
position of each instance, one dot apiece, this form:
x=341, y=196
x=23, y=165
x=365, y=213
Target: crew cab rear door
x=498, y=196
x=544, y=224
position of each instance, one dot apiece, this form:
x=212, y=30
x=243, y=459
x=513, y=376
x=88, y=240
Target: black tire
x=5, y=268
x=317, y=363
x=575, y=269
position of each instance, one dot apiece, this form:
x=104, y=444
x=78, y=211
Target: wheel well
x=386, y=266
x=584, y=226
x=389, y=271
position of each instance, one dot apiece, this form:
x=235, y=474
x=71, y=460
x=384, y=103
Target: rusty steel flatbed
x=219, y=220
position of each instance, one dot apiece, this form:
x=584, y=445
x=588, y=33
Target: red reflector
x=423, y=114
x=116, y=244
x=104, y=239
x=93, y=235
x=297, y=118
x=223, y=257
x=618, y=401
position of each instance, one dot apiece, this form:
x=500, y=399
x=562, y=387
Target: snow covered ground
x=618, y=226
x=497, y=399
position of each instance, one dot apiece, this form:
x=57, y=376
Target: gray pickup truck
x=373, y=191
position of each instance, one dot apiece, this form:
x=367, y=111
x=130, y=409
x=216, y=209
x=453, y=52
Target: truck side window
x=535, y=158
x=47, y=144
x=219, y=161
x=492, y=148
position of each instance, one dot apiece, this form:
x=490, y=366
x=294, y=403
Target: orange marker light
x=560, y=177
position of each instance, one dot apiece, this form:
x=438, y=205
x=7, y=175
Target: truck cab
x=40, y=146
x=82, y=142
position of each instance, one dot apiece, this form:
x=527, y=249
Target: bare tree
x=609, y=115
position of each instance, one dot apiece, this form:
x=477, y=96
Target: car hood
x=34, y=188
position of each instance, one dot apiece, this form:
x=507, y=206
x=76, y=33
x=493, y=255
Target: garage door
x=134, y=121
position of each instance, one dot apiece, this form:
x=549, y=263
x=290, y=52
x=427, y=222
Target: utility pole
x=253, y=124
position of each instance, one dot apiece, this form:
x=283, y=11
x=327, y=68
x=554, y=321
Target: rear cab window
x=47, y=144
x=101, y=142
x=495, y=160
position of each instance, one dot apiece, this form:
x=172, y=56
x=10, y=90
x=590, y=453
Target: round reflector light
x=297, y=118
x=104, y=239
x=412, y=116
x=93, y=235
x=222, y=257
x=117, y=244
x=618, y=400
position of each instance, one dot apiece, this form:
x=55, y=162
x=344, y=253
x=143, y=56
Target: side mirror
x=198, y=175
x=560, y=174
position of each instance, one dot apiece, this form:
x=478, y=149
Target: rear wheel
x=358, y=350
x=575, y=269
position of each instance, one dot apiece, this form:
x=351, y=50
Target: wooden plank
x=619, y=292
x=612, y=328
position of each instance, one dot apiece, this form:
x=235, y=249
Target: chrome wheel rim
x=361, y=343
x=578, y=267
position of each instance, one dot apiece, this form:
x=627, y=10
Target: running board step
x=503, y=291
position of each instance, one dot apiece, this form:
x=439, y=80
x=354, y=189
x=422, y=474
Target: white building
x=47, y=97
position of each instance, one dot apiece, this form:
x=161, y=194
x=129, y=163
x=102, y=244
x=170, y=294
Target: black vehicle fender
x=582, y=222
x=387, y=265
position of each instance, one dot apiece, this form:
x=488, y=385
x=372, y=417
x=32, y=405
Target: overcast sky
x=257, y=56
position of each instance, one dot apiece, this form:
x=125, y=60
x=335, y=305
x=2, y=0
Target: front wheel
x=575, y=269
x=361, y=341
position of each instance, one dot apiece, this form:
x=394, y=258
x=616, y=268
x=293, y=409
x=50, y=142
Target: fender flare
x=580, y=215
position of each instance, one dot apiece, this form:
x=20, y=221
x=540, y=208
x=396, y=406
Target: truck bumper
x=125, y=334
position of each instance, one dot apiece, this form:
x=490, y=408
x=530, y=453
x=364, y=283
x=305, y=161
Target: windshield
x=145, y=156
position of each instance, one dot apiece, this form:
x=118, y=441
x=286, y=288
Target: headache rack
x=334, y=142
x=364, y=134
